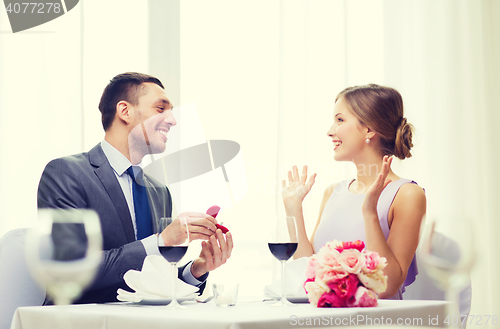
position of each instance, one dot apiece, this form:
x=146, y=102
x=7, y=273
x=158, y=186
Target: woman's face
x=347, y=133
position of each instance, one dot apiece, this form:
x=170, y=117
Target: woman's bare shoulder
x=409, y=192
x=410, y=199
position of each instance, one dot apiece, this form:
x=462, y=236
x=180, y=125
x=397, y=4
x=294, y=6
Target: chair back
x=17, y=288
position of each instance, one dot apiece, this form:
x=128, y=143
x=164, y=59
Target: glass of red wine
x=173, y=241
x=283, y=242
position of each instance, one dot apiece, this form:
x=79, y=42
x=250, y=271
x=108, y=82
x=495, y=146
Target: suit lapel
x=106, y=175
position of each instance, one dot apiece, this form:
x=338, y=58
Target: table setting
x=248, y=312
x=308, y=294
x=153, y=284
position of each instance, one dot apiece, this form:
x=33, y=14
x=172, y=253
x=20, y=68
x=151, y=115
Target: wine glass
x=448, y=258
x=283, y=242
x=174, y=249
x=63, y=252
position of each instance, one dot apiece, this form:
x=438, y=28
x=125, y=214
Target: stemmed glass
x=174, y=249
x=64, y=251
x=448, y=258
x=283, y=242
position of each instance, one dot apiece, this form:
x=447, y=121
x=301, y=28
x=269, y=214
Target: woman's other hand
x=298, y=187
x=373, y=193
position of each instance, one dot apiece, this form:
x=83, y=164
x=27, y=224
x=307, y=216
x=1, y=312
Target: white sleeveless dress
x=342, y=220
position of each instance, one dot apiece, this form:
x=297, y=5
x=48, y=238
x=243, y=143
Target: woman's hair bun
x=403, y=142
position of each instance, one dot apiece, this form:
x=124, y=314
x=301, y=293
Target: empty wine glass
x=283, y=242
x=63, y=252
x=448, y=258
x=173, y=247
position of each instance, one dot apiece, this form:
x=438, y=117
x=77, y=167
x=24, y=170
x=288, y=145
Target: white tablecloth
x=248, y=315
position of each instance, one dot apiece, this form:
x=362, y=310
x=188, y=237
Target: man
x=136, y=117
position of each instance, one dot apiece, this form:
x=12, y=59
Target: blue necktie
x=141, y=203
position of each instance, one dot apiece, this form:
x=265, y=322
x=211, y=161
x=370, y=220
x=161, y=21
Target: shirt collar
x=116, y=159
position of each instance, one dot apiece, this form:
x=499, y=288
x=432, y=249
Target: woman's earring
x=367, y=141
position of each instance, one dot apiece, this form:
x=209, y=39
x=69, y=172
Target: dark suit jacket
x=87, y=180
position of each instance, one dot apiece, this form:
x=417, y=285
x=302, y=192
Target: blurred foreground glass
x=63, y=252
x=448, y=258
x=283, y=242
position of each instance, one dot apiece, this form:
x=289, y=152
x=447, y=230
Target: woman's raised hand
x=373, y=193
x=298, y=187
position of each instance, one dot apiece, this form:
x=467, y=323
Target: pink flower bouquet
x=345, y=274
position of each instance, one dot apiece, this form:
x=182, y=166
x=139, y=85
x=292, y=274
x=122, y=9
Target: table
x=244, y=315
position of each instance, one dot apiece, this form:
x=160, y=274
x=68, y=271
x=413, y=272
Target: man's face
x=151, y=120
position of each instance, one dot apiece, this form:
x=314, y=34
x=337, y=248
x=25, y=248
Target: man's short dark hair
x=123, y=87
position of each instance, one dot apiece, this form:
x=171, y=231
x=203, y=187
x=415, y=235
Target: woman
x=378, y=207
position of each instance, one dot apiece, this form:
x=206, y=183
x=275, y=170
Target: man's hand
x=214, y=253
x=201, y=226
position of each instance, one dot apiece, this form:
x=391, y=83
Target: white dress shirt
x=120, y=164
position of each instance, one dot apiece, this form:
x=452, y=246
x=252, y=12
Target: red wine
x=283, y=251
x=173, y=254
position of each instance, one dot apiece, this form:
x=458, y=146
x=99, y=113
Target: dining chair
x=423, y=288
x=17, y=288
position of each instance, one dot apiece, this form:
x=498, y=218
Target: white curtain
x=40, y=109
x=51, y=79
x=443, y=56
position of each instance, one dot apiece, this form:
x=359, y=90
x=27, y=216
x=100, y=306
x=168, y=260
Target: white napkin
x=154, y=282
x=294, y=280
